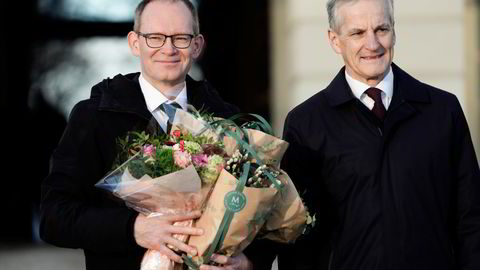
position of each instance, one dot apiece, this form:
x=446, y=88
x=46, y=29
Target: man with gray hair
x=386, y=161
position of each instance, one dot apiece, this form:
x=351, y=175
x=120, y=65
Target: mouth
x=372, y=57
x=168, y=62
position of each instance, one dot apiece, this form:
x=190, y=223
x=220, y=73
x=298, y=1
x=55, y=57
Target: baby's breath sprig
x=257, y=176
x=259, y=179
x=235, y=163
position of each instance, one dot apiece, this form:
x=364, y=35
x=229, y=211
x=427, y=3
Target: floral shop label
x=235, y=201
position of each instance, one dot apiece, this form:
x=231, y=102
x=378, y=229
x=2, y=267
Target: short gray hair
x=333, y=5
x=193, y=10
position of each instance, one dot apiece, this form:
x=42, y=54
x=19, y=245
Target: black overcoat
x=403, y=195
x=74, y=213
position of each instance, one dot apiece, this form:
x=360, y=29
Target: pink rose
x=182, y=159
x=200, y=160
x=149, y=150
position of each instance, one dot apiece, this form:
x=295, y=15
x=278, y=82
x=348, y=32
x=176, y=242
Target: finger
x=181, y=246
x=221, y=259
x=170, y=254
x=184, y=230
x=181, y=217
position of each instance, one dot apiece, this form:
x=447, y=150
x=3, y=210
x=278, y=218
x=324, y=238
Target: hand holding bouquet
x=166, y=175
x=229, y=172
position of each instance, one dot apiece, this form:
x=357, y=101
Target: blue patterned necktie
x=170, y=109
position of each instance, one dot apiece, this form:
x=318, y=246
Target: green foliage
x=133, y=142
x=202, y=140
x=138, y=168
x=164, y=163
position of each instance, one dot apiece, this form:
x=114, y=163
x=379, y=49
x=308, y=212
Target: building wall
x=437, y=42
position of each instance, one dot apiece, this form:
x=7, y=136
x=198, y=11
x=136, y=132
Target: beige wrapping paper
x=162, y=196
x=185, y=120
x=270, y=149
x=288, y=217
x=245, y=223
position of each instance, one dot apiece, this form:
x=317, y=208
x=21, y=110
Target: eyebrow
x=357, y=29
x=383, y=25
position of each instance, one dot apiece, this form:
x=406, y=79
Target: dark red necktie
x=378, y=108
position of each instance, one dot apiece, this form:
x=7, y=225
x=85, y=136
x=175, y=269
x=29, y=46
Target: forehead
x=166, y=17
x=363, y=14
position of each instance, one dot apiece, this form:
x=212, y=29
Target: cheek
x=186, y=56
x=388, y=42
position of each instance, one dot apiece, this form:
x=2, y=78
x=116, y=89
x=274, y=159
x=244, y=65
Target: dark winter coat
x=402, y=195
x=74, y=213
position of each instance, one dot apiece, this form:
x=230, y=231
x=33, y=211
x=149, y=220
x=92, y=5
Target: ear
x=394, y=37
x=197, y=46
x=333, y=39
x=134, y=43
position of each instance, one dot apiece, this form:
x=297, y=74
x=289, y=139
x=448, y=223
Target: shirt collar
x=154, y=98
x=359, y=88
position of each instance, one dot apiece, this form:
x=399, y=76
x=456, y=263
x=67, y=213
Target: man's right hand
x=157, y=232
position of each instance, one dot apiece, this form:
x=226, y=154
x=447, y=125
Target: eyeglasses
x=156, y=40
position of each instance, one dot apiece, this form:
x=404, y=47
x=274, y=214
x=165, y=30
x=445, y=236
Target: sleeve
x=468, y=195
x=73, y=214
x=303, y=163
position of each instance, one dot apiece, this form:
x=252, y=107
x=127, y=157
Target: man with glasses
x=75, y=214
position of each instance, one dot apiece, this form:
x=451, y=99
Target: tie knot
x=374, y=93
x=170, y=108
x=171, y=104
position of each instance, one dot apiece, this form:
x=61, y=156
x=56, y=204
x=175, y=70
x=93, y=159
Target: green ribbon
x=261, y=124
x=227, y=125
x=224, y=225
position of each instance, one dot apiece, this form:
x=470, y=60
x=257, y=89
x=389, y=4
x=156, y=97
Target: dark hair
x=193, y=10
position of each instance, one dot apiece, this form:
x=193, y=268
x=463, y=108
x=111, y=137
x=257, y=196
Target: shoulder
x=421, y=91
x=105, y=93
x=202, y=94
x=311, y=107
x=109, y=86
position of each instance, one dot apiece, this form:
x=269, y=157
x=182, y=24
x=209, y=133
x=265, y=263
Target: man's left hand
x=239, y=262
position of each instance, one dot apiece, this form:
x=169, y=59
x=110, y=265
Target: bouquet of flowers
x=230, y=172
x=166, y=174
x=252, y=197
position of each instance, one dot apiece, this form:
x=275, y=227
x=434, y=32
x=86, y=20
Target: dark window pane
x=89, y=10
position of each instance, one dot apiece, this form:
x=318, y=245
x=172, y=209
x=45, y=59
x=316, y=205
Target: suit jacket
x=404, y=194
x=74, y=213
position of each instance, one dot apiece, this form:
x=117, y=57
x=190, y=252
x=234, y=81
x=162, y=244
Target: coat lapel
x=123, y=94
x=407, y=92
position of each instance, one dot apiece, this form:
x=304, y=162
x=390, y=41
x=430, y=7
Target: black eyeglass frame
x=172, y=39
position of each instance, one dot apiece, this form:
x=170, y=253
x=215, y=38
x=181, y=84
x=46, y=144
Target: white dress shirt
x=359, y=88
x=154, y=99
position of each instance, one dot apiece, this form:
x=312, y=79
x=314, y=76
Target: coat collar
x=122, y=93
x=405, y=88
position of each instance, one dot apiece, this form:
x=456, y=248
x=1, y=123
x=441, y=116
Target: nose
x=168, y=47
x=371, y=41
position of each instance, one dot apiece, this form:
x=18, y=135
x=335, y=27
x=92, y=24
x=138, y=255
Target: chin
x=376, y=72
